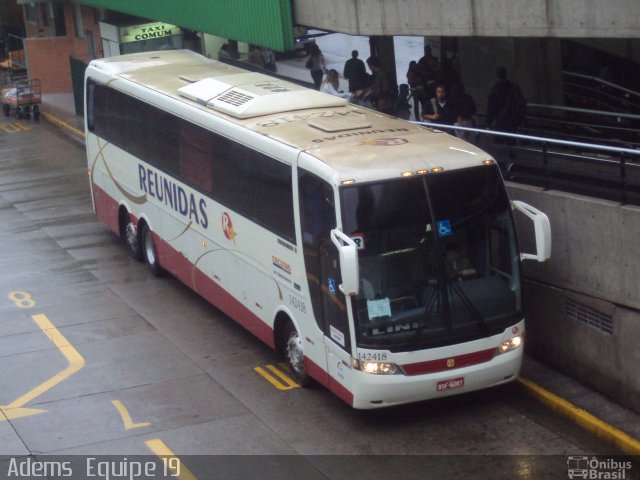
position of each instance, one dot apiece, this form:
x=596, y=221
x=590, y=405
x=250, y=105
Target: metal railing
x=602, y=81
x=587, y=90
x=600, y=171
x=583, y=124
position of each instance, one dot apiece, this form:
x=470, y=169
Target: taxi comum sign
x=148, y=31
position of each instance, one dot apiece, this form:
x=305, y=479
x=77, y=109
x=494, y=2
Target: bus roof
x=359, y=143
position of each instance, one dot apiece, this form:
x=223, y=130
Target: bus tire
x=149, y=250
x=292, y=349
x=130, y=237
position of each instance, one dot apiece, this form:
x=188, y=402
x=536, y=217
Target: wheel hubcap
x=295, y=353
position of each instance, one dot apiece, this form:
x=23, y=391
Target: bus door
x=334, y=306
x=317, y=219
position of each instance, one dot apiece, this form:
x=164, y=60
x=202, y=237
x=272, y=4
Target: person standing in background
x=379, y=94
x=355, y=72
x=440, y=109
x=465, y=108
x=506, y=106
x=316, y=63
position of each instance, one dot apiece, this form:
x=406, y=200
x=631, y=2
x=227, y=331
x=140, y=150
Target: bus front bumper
x=376, y=391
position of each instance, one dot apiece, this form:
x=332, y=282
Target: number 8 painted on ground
x=22, y=299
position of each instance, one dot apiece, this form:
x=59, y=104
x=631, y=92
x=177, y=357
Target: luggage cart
x=23, y=98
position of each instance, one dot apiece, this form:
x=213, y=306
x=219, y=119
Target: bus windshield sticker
x=379, y=308
x=337, y=335
x=332, y=286
x=444, y=228
x=358, y=239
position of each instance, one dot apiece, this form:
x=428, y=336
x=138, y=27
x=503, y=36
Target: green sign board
x=267, y=23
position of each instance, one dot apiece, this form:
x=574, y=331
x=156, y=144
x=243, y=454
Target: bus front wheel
x=149, y=250
x=293, y=350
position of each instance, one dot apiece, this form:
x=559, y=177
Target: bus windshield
x=438, y=259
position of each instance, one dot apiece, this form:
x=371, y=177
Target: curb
x=65, y=126
x=582, y=418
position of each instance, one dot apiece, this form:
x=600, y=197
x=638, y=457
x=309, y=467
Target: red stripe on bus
x=449, y=363
x=325, y=379
x=180, y=266
x=106, y=209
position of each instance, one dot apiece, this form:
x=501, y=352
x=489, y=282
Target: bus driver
x=457, y=266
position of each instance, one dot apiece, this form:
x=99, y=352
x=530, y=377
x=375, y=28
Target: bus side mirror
x=542, y=231
x=349, y=269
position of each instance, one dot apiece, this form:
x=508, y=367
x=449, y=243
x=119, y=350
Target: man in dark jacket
x=439, y=109
x=355, y=72
x=503, y=104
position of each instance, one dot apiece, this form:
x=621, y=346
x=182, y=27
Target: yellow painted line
x=283, y=376
x=13, y=128
x=126, y=417
x=288, y=384
x=160, y=449
x=603, y=430
x=59, y=123
x=16, y=408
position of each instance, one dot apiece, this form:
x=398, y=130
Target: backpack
x=515, y=105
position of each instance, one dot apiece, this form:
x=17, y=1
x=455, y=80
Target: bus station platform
x=579, y=403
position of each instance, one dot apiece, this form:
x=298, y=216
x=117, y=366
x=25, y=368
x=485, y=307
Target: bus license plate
x=448, y=384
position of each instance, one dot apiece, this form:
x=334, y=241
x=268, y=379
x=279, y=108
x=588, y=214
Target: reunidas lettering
x=173, y=195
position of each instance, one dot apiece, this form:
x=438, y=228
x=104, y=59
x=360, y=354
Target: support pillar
x=382, y=48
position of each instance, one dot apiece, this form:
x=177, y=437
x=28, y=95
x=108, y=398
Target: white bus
x=377, y=256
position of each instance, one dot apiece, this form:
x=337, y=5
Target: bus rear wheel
x=149, y=251
x=130, y=236
x=293, y=351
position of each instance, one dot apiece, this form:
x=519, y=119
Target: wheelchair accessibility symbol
x=332, y=286
x=444, y=228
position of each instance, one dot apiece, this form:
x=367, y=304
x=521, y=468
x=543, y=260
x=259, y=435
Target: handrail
x=563, y=121
x=604, y=82
x=566, y=143
x=585, y=110
x=599, y=171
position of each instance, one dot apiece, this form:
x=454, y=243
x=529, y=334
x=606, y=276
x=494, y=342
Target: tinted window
x=249, y=182
x=317, y=219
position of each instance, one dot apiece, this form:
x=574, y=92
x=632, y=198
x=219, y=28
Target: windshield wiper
x=467, y=303
x=427, y=315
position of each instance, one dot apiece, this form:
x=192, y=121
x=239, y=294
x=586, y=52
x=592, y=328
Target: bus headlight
x=509, y=345
x=375, y=368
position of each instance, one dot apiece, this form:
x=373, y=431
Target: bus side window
x=196, y=164
x=91, y=89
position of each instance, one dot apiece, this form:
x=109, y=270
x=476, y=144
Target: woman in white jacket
x=331, y=83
